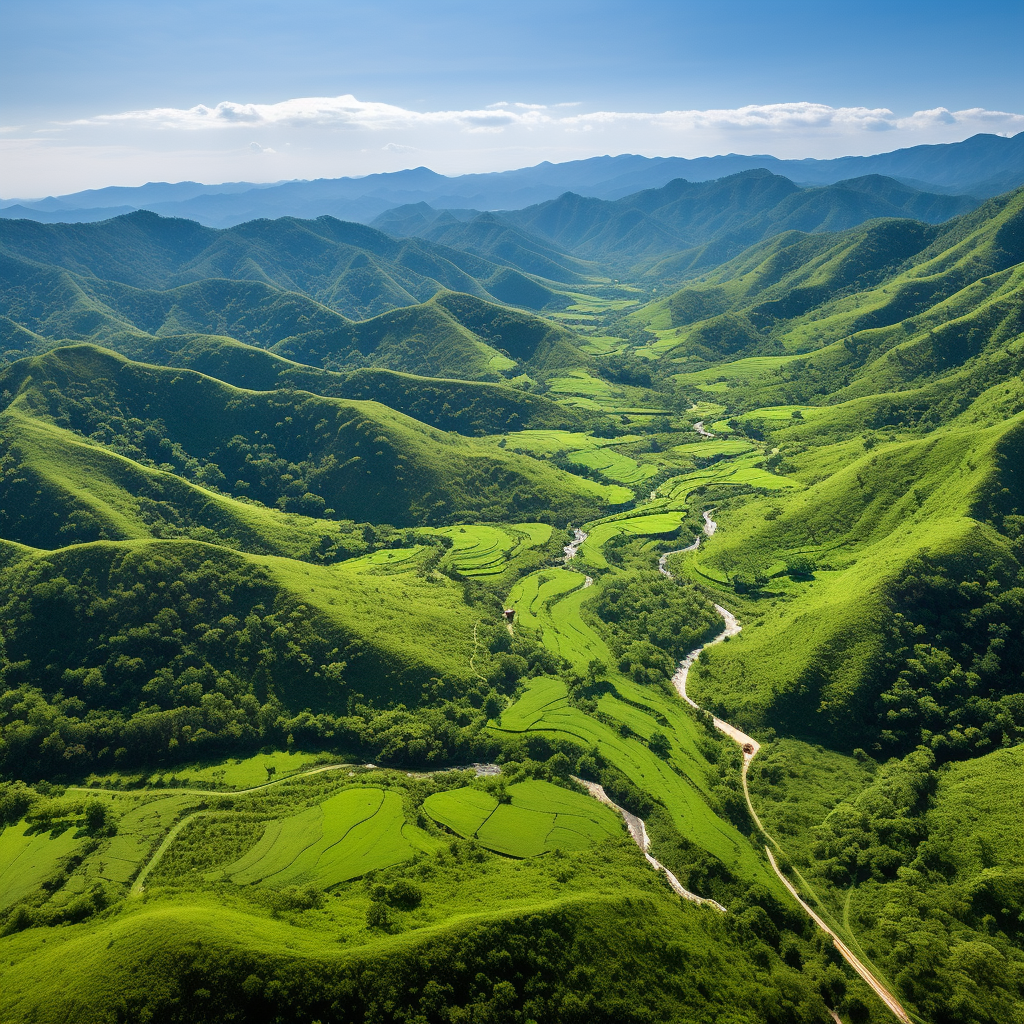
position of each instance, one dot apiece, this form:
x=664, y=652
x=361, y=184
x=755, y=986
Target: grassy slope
x=364, y=460
x=806, y=293
x=469, y=407
x=811, y=652
x=437, y=334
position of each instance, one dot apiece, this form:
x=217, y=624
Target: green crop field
x=351, y=834
x=715, y=448
x=741, y=372
x=487, y=550
x=546, y=715
x=583, y=384
x=28, y=858
x=552, y=442
x=540, y=818
x=644, y=525
x=614, y=466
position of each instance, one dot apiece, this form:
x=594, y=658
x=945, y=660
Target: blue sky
x=575, y=79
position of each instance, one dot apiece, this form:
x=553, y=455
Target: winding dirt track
x=750, y=747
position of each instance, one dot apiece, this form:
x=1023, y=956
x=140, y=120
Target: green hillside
x=468, y=407
x=353, y=269
x=294, y=451
x=709, y=222
x=383, y=665
x=428, y=338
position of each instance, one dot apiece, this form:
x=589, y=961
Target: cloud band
x=348, y=112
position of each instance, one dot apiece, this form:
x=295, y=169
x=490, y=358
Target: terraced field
x=614, y=466
x=552, y=442
x=351, y=833
x=718, y=447
x=540, y=817
x=643, y=525
x=29, y=857
x=680, y=782
x=488, y=550
x=776, y=414
x=138, y=831
x=579, y=382
x=742, y=372
x=745, y=469
x=531, y=596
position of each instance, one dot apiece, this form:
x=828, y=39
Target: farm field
x=776, y=414
x=553, y=442
x=242, y=773
x=740, y=373
x=651, y=524
x=614, y=466
x=715, y=448
x=549, y=714
x=488, y=550
x=29, y=857
x=540, y=818
x=353, y=833
x=745, y=469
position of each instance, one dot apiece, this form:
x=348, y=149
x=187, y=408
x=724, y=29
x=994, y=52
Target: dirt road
x=750, y=747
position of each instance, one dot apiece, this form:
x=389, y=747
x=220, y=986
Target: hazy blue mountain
x=983, y=165
x=737, y=211
x=85, y=215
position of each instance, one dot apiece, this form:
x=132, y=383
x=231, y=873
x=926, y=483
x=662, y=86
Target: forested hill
x=733, y=212
x=333, y=646
x=351, y=268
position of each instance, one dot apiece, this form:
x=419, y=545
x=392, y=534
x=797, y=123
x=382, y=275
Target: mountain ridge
x=987, y=163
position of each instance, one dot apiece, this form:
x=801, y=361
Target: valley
x=362, y=593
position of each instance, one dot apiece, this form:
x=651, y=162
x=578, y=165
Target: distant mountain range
x=982, y=166
x=674, y=231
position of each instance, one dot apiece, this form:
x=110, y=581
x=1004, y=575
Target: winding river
x=750, y=748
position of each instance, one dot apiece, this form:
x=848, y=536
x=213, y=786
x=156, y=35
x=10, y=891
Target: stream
x=750, y=747
x=573, y=546
x=638, y=830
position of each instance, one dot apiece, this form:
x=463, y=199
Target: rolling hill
x=728, y=213
x=351, y=268
x=360, y=458
x=337, y=654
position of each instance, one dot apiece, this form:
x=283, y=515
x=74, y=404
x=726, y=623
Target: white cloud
x=348, y=112
x=331, y=137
